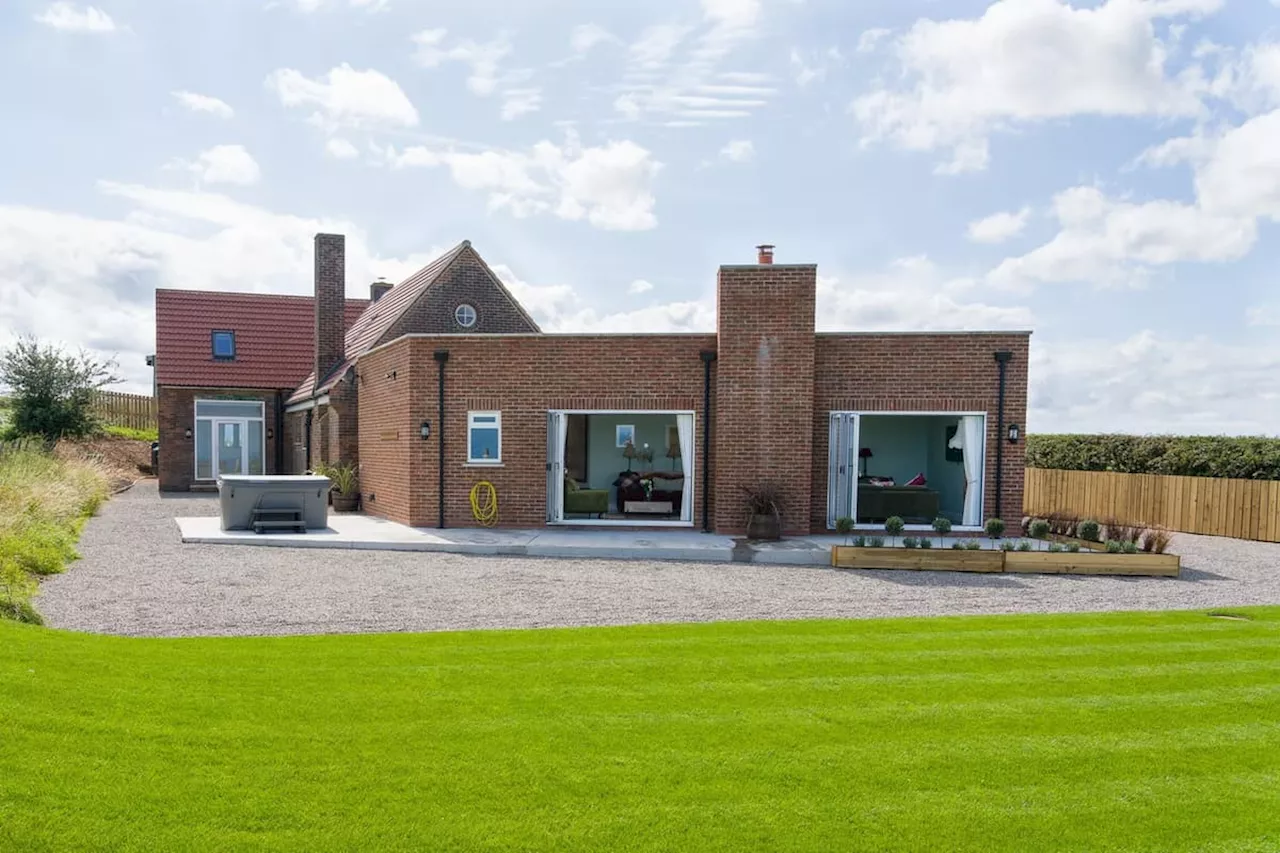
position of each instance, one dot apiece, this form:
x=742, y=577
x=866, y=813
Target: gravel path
x=137, y=578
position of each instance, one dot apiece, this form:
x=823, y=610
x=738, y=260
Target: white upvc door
x=842, y=467
x=230, y=447
x=557, y=427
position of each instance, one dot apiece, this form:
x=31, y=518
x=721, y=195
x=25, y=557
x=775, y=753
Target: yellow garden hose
x=484, y=503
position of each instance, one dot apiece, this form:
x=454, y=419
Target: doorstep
x=368, y=533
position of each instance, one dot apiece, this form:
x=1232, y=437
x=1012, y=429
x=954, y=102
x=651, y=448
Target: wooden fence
x=127, y=410
x=1244, y=509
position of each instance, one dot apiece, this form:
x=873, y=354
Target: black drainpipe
x=708, y=356
x=441, y=356
x=310, y=414
x=1002, y=363
x=279, y=432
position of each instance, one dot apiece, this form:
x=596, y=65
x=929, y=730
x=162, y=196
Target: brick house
x=444, y=381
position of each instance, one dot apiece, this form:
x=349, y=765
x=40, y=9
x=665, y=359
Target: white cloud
x=71, y=18
x=1154, y=382
x=674, y=72
x=345, y=97
x=586, y=36
x=739, y=150
x=341, y=149
x=639, y=286
x=1108, y=242
x=520, y=101
x=483, y=58
x=204, y=104
x=608, y=185
x=1263, y=315
x=309, y=6
x=1026, y=61
x=999, y=227
x=871, y=39
x=90, y=281
x=223, y=164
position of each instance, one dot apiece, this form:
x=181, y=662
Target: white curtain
x=973, y=442
x=684, y=426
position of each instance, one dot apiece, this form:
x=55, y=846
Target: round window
x=465, y=315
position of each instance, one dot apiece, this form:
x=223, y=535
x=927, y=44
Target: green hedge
x=1185, y=455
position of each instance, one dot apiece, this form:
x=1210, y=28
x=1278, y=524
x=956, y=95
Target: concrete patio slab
x=362, y=532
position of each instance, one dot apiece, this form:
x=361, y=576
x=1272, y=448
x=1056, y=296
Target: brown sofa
x=913, y=504
x=667, y=486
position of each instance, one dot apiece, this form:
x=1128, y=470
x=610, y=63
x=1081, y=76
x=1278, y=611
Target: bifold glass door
x=842, y=467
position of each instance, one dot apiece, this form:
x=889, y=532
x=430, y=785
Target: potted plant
x=893, y=525
x=763, y=504
x=844, y=526
x=942, y=526
x=995, y=527
x=1039, y=529
x=345, y=491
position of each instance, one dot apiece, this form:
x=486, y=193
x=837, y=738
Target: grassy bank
x=1145, y=732
x=44, y=499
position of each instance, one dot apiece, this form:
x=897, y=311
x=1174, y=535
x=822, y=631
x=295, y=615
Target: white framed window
x=465, y=315
x=229, y=438
x=484, y=438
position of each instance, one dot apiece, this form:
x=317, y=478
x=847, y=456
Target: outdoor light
x=425, y=430
x=188, y=432
x=270, y=433
x=1013, y=433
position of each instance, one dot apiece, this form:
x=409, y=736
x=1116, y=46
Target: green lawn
x=1151, y=732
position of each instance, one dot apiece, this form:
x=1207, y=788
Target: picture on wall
x=625, y=434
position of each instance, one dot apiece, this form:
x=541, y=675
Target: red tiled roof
x=365, y=333
x=274, y=338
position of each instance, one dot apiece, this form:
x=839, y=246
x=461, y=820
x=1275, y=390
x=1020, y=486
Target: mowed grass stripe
x=1099, y=732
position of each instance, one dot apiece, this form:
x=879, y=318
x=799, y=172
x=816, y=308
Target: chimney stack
x=330, y=303
x=765, y=253
x=379, y=289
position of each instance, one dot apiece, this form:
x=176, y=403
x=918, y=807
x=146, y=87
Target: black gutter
x=441, y=356
x=1002, y=363
x=307, y=428
x=708, y=356
x=279, y=468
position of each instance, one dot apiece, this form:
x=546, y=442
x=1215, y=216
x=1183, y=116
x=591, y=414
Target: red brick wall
x=764, y=382
x=522, y=376
x=176, y=413
x=330, y=302
x=922, y=372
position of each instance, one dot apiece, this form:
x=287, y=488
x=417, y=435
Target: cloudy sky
x=1105, y=173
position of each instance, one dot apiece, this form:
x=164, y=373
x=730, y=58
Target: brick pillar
x=764, y=389
x=330, y=303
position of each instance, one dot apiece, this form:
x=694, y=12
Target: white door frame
x=853, y=479
x=555, y=468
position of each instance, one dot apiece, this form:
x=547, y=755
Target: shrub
x=1121, y=531
x=875, y=542
x=859, y=541
x=1073, y=547
x=1008, y=545
x=1056, y=547
x=957, y=545
x=1024, y=545
x=893, y=526
x=926, y=544
x=973, y=545
x=995, y=527
x=1129, y=547
x=1090, y=531
x=763, y=499
x=38, y=547
x=345, y=479
x=16, y=589
x=131, y=433
x=1114, y=546
x=844, y=526
x=1156, y=540
x=942, y=525
x=52, y=391
x=1039, y=529
x=1248, y=458
x=910, y=542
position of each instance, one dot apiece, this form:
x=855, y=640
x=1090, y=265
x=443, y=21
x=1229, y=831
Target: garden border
x=1019, y=562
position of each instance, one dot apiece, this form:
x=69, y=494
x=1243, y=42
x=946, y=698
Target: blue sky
x=1107, y=174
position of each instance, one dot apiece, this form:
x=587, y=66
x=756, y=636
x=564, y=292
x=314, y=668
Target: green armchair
x=580, y=501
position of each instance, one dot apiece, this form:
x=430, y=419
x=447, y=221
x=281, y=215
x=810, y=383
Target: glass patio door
x=842, y=467
x=230, y=448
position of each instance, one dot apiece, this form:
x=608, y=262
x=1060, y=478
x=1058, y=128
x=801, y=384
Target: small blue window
x=224, y=345
x=484, y=438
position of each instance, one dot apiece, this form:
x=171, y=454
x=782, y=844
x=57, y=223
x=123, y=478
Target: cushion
x=917, y=480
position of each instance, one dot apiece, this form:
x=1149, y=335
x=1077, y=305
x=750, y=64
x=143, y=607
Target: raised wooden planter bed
x=940, y=560
x=1026, y=562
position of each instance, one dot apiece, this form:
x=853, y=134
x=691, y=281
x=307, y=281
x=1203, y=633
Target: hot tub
x=285, y=503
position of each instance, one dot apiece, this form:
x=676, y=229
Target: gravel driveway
x=137, y=578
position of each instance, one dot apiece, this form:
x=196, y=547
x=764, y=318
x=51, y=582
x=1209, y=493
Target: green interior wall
x=906, y=445
x=605, y=460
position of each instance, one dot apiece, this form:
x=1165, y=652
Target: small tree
x=893, y=526
x=1039, y=529
x=1089, y=530
x=53, y=390
x=942, y=526
x=995, y=527
x=844, y=526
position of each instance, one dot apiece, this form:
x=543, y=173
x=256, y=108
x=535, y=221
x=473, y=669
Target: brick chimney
x=379, y=289
x=330, y=302
x=764, y=253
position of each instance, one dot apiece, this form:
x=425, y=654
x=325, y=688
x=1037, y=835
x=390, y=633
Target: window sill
x=483, y=465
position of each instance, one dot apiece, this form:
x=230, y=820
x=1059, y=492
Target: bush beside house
x=1246, y=458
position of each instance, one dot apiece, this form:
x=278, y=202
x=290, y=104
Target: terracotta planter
x=764, y=527
x=344, y=503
